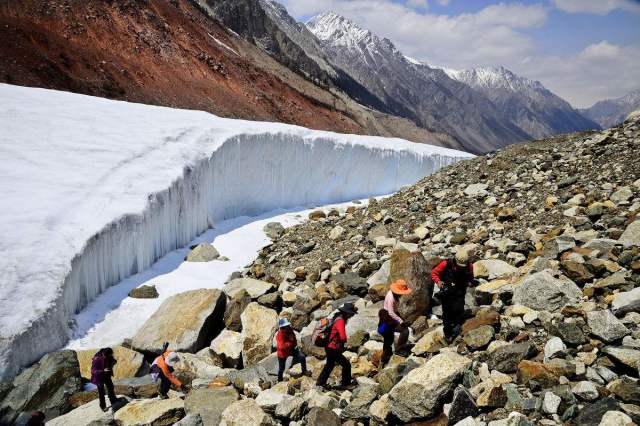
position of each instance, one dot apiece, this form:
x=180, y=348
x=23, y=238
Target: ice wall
x=251, y=169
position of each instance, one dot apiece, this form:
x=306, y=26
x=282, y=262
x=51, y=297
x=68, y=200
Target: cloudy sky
x=583, y=50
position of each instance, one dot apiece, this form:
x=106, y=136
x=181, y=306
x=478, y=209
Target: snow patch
x=95, y=191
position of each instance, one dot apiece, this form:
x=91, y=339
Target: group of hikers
x=452, y=276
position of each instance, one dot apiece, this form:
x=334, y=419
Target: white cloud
x=600, y=71
x=597, y=7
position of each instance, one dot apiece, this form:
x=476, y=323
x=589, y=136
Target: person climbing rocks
x=453, y=276
x=162, y=371
x=391, y=323
x=287, y=346
x=335, y=348
x=102, y=365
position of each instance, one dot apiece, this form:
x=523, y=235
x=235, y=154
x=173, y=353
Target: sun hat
x=172, y=359
x=400, y=287
x=283, y=322
x=462, y=257
x=348, y=308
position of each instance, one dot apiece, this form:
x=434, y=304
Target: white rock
x=615, y=418
x=550, y=403
x=586, y=390
x=553, y=348
x=336, y=232
x=476, y=190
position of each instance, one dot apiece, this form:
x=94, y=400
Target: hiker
x=162, y=369
x=101, y=373
x=287, y=346
x=453, y=276
x=390, y=322
x=335, y=347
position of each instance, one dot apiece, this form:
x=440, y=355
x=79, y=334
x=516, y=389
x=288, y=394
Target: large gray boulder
x=45, y=386
x=188, y=321
x=421, y=393
x=87, y=414
x=628, y=301
x=246, y=413
x=150, y=412
x=606, y=326
x=415, y=270
x=544, y=292
x=492, y=269
x=255, y=288
x=227, y=348
x=210, y=403
x=361, y=399
x=506, y=358
x=631, y=236
x=273, y=230
x=259, y=325
x=203, y=253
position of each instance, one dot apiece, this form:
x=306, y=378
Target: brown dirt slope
x=167, y=52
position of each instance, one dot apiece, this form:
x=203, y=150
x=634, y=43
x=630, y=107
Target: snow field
x=94, y=191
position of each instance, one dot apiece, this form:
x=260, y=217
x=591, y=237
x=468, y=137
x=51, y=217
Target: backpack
x=322, y=332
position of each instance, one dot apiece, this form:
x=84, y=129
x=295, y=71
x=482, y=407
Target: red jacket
x=338, y=335
x=285, y=342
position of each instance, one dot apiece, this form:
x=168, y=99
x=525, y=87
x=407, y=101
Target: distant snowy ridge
x=95, y=190
x=526, y=102
x=611, y=112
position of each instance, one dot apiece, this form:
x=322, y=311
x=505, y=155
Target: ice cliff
x=94, y=190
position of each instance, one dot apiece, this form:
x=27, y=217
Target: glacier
x=93, y=191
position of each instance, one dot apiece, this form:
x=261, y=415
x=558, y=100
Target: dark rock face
x=506, y=358
x=414, y=269
x=322, y=417
x=462, y=405
x=591, y=414
x=45, y=386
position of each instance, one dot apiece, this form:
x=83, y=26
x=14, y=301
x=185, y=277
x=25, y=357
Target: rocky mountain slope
x=610, y=112
x=529, y=104
x=552, y=331
x=172, y=53
x=427, y=96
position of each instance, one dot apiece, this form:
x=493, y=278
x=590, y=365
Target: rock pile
x=552, y=334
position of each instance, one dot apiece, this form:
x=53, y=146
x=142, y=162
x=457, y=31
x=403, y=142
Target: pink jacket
x=390, y=306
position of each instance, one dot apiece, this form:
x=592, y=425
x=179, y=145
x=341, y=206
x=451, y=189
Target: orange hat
x=400, y=287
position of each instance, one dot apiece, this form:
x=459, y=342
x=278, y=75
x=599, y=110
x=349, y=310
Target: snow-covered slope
x=611, y=112
x=95, y=190
x=526, y=102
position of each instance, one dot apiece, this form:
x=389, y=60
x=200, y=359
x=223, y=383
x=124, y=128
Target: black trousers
x=335, y=357
x=452, y=313
x=106, y=383
x=298, y=357
x=387, y=347
x=164, y=384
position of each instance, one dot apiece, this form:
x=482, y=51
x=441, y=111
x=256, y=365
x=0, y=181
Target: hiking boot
x=346, y=387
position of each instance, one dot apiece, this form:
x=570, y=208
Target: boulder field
x=551, y=333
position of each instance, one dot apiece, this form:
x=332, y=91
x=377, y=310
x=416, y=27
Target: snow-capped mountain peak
x=339, y=31
x=494, y=78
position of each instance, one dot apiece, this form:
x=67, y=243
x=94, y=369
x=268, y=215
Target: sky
x=582, y=50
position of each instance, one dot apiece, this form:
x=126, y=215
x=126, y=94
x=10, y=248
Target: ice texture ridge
x=95, y=190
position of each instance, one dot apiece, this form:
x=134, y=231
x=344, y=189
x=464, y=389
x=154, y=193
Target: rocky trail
x=552, y=331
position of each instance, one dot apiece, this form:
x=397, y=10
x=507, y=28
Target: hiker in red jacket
x=287, y=346
x=335, y=348
x=453, y=276
x=101, y=373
